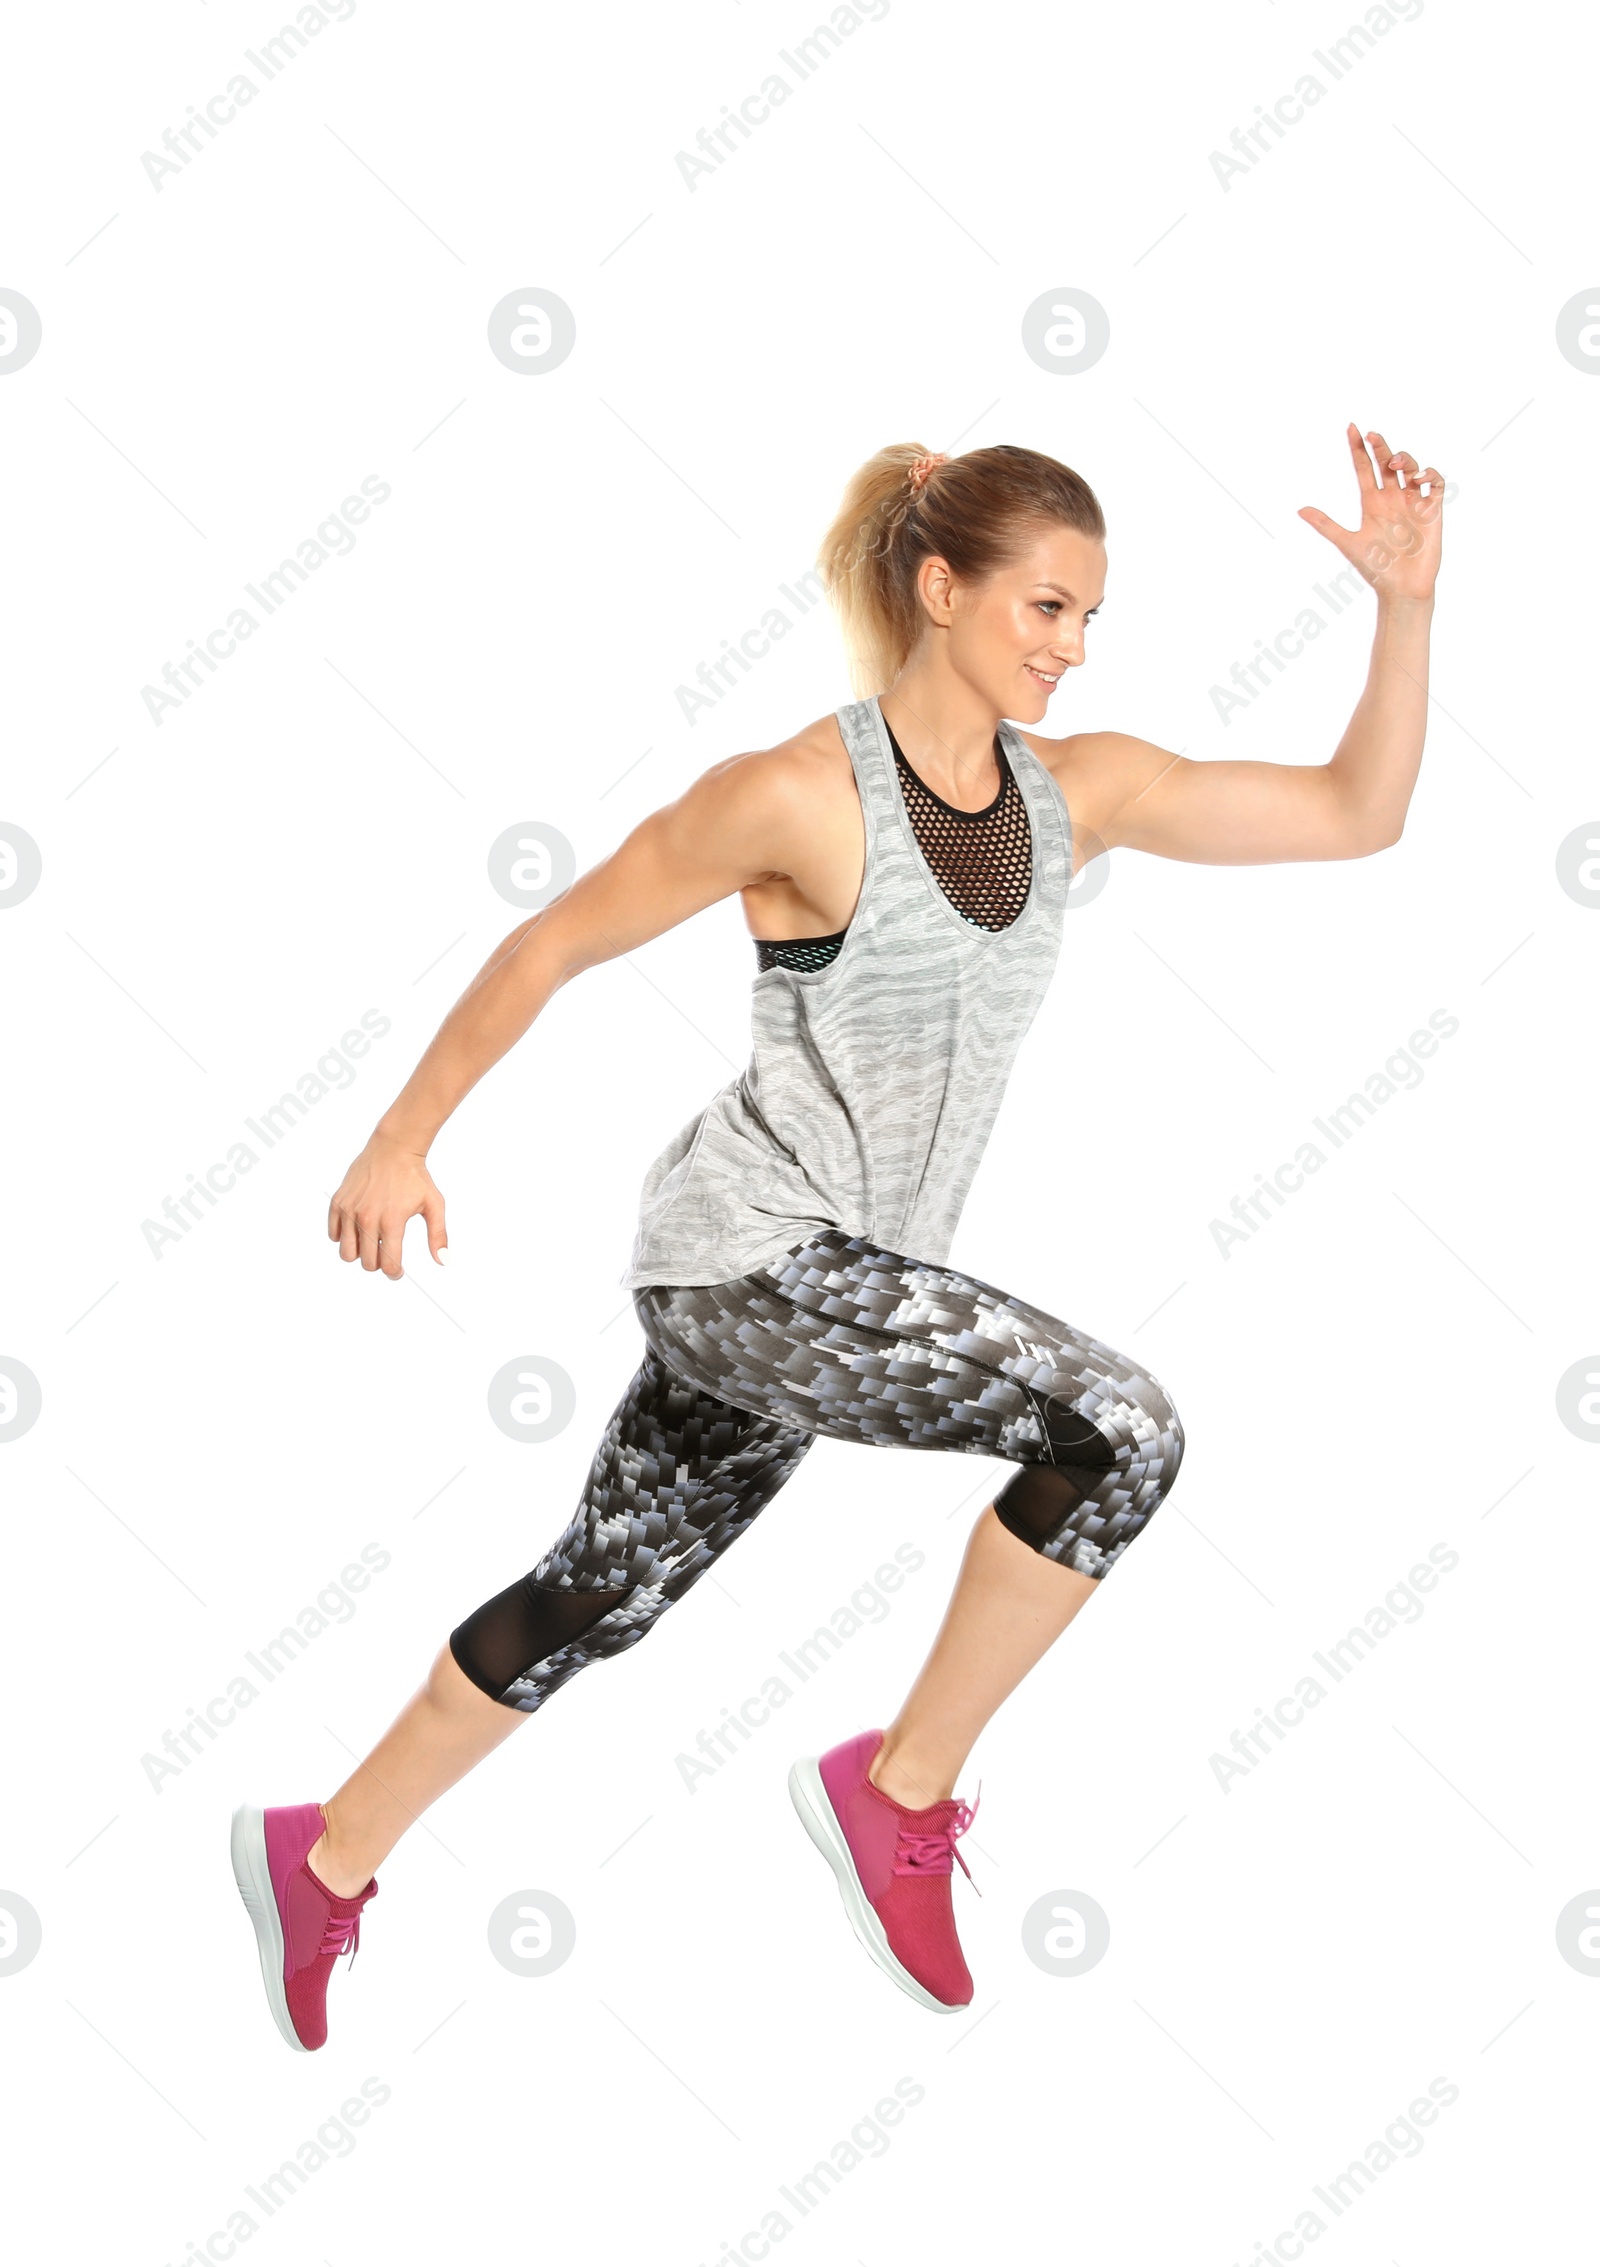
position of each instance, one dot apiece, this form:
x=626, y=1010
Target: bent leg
x=864, y=1344
x=845, y=1338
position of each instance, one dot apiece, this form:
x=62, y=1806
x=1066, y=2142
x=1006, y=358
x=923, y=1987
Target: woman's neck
x=947, y=732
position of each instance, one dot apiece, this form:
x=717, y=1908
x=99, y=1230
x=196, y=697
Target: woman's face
x=1014, y=636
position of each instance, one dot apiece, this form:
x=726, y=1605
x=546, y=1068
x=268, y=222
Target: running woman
x=904, y=865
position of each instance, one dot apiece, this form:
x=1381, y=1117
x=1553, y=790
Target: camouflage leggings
x=837, y=1337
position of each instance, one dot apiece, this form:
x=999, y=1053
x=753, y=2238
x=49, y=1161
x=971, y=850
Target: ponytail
x=905, y=505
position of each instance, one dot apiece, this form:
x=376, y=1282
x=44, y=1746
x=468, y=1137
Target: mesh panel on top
x=981, y=860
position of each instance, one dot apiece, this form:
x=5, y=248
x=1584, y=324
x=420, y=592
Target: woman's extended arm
x=1243, y=813
x=733, y=826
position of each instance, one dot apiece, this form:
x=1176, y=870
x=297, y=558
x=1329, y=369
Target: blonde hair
x=974, y=511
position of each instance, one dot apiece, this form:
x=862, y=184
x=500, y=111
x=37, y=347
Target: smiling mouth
x=1040, y=677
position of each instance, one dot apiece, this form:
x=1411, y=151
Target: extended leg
x=443, y=1730
x=678, y=1476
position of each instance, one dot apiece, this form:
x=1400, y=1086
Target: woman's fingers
x=433, y=1214
x=1391, y=463
x=1363, y=463
x=370, y=1222
x=1335, y=534
x=342, y=1226
x=391, y=1242
x=1396, y=461
x=1386, y=477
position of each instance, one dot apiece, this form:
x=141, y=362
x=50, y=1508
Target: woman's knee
x=1108, y=1461
x=1130, y=1415
x=1166, y=1435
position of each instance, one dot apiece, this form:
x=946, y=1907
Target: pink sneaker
x=893, y=1867
x=301, y=1926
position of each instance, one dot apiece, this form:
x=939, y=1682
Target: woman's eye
x=1049, y=605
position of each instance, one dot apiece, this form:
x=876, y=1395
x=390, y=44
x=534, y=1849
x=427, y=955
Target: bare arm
x=1225, y=812
x=733, y=826
x=1245, y=813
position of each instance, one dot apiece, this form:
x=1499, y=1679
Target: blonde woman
x=904, y=865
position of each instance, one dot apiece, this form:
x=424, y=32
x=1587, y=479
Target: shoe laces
x=931, y=1849
x=341, y=1933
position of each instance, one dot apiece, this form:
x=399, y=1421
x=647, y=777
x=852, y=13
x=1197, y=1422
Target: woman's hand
x=370, y=1208
x=1396, y=547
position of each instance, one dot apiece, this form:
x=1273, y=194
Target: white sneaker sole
x=818, y=1817
x=248, y=1848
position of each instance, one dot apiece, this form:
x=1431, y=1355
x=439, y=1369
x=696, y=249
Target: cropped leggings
x=837, y=1337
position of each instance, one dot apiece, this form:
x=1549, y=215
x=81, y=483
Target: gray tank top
x=873, y=1082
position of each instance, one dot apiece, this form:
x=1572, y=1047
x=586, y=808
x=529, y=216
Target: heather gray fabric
x=874, y=1082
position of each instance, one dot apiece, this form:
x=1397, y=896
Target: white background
x=1293, y=1958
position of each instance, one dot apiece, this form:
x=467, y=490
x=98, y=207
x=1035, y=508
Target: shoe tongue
x=931, y=1816
x=936, y=1814
x=344, y=1905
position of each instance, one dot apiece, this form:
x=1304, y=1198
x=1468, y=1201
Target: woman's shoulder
x=810, y=762
x=783, y=800
x=818, y=745
x=1097, y=771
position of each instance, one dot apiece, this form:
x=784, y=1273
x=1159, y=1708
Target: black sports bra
x=982, y=860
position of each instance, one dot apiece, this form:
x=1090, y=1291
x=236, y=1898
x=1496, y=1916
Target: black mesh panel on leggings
x=843, y=1338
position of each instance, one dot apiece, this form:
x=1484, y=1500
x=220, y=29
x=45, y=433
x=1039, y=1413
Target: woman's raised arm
x=1223, y=812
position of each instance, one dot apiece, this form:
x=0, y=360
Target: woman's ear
x=936, y=591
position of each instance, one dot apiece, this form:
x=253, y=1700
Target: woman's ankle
x=909, y=1779
x=332, y=1864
